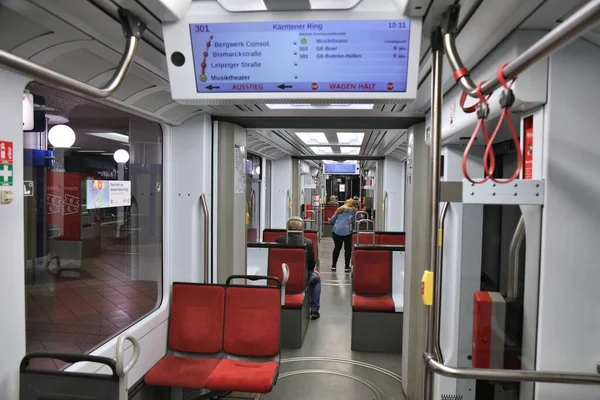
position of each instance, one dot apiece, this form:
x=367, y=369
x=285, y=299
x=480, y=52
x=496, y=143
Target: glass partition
x=93, y=223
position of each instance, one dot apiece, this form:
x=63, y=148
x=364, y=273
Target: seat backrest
x=372, y=272
x=295, y=258
x=270, y=235
x=392, y=238
x=365, y=238
x=328, y=211
x=197, y=313
x=252, y=321
x=312, y=235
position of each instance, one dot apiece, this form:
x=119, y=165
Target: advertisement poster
x=103, y=194
x=97, y=194
x=63, y=200
x=119, y=193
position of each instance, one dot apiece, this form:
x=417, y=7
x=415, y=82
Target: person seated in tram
x=333, y=199
x=295, y=236
x=343, y=221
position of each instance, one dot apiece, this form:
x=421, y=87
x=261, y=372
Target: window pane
x=93, y=223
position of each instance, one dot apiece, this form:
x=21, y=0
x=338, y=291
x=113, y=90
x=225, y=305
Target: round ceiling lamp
x=61, y=136
x=121, y=156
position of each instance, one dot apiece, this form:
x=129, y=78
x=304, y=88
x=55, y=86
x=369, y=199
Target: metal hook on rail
x=133, y=28
x=577, y=24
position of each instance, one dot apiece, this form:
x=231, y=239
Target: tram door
x=500, y=224
x=253, y=197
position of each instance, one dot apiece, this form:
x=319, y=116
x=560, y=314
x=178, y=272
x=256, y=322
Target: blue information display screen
x=339, y=169
x=301, y=56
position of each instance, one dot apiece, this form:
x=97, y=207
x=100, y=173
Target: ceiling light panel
x=312, y=138
x=117, y=137
x=322, y=150
x=350, y=150
x=350, y=138
x=320, y=106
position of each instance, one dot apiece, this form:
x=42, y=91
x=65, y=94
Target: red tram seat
x=252, y=323
x=391, y=238
x=296, y=285
x=372, y=280
x=195, y=327
x=312, y=236
x=211, y=323
x=270, y=235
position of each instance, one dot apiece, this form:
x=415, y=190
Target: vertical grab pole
x=440, y=264
x=383, y=218
x=206, y=233
x=513, y=260
x=434, y=181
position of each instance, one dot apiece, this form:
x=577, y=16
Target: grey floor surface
x=376, y=376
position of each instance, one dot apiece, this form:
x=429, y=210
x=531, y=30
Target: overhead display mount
x=351, y=56
x=341, y=169
x=301, y=56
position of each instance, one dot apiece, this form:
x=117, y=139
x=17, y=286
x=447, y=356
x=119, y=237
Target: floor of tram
x=325, y=367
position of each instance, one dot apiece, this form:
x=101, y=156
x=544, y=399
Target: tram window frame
x=109, y=295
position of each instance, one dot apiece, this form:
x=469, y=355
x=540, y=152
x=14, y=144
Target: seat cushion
x=173, y=371
x=294, y=301
x=376, y=303
x=243, y=376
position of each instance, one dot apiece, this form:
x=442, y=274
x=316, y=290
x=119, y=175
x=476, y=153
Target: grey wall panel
x=231, y=203
x=416, y=255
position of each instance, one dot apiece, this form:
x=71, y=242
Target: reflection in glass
x=93, y=227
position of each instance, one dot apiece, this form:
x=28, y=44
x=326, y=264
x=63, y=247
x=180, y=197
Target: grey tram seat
x=59, y=385
x=38, y=384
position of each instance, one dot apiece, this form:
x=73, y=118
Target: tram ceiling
x=339, y=123
x=328, y=144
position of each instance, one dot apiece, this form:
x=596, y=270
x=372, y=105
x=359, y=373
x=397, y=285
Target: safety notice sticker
x=6, y=175
x=6, y=152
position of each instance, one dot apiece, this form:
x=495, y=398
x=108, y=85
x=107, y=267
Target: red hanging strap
x=482, y=114
x=507, y=99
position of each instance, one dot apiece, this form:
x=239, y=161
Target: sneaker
x=347, y=269
x=333, y=267
x=315, y=315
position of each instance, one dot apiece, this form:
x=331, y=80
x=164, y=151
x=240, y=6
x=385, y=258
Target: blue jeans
x=314, y=288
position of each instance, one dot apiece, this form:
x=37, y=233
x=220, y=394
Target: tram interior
x=157, y=217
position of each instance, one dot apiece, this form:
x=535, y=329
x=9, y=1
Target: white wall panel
x=281, y=185
x=394, y=179
x=12, y=284
x=191, y=174
x=569, y=305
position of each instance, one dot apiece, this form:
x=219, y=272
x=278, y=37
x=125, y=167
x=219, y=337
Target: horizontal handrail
x=577, y=24
x=510, y=375
x=133, y=28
